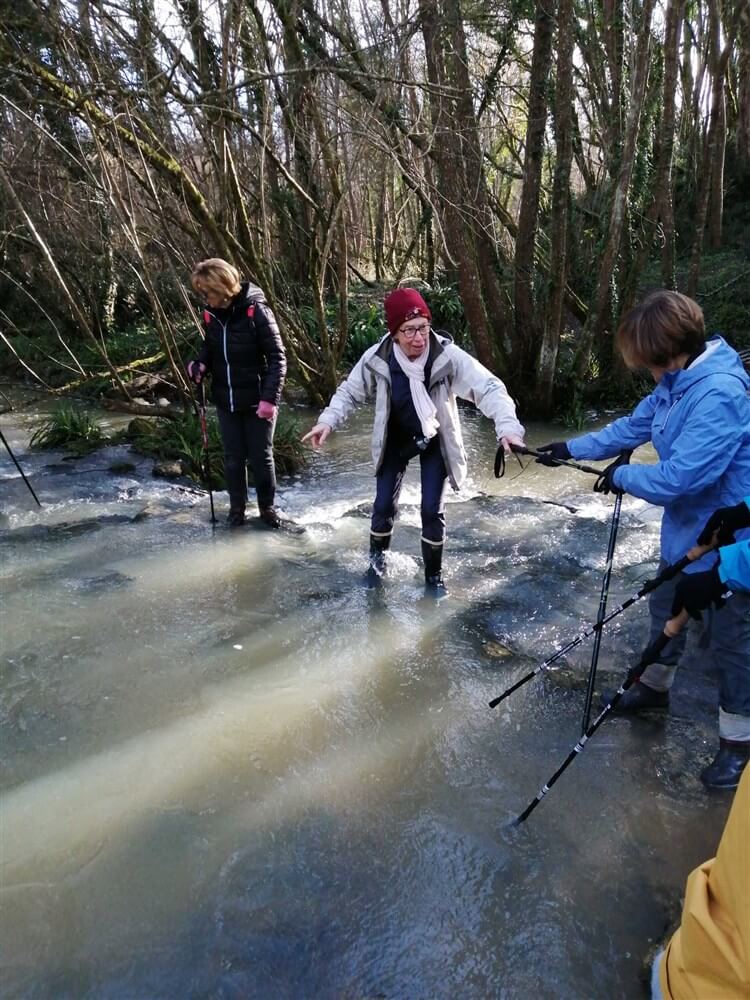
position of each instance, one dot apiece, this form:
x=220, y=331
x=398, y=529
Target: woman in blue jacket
x=698, y=419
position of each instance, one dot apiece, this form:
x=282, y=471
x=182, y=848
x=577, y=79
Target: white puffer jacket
x=454, y=374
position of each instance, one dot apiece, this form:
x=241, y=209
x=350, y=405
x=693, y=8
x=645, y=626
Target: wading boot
x=638, y=698
x=725, y=770
x=236, y=516
x=270, y=517
x=433, y=577
x=379, y=545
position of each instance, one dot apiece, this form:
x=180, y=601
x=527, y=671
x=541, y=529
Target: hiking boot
x=376, y=568
x=638, y=698
x=725, y=770
x=270, y=517
x=236, y=517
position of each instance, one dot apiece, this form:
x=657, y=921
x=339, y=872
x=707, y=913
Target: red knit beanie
x=403, y=304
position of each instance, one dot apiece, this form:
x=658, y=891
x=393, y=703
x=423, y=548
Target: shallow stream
x=230, y=771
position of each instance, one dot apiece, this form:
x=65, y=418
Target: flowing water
x=230, y=771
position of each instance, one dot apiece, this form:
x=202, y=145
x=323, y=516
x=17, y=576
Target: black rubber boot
x=433, y=577
x=725, y=770
x=638, y=698
x=270, y=517
x=379, y=545
x=236, y=516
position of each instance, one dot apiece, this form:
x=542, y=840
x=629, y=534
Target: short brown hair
x=662, y=327
x=216, y=275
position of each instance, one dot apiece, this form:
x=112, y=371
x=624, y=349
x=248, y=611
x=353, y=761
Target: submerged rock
x=107, y=581
x=169, y=469
x=497, y=650
x=151, y=510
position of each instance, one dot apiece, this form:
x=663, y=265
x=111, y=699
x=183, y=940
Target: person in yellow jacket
x=708, y=957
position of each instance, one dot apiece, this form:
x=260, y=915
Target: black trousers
x=247, y=438
x=390, y=477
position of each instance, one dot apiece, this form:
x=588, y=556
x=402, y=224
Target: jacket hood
x=717, y=359
x=250, y=293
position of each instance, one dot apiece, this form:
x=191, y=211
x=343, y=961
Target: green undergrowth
x=71, y=428
x=74, y=429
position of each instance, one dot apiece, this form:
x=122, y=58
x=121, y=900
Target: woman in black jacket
x=243, y=353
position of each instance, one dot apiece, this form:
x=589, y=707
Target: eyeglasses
x=410, y=332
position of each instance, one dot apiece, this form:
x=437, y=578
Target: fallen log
x=142, y=409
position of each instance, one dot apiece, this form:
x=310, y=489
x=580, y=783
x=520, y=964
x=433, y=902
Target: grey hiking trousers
x=729, y=644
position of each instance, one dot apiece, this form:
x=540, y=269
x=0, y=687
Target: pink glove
x=266, y=411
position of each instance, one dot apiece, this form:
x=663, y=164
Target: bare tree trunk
x=716, y=198
x=663, y=183
x=526, y=320
x=599, y=318
x=743, y=92
x=454, y=196
x=547, y=360
x=713, y=149
x=661, y=207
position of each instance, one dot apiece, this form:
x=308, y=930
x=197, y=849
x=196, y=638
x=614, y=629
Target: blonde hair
x=664, y=326
x=216, y=275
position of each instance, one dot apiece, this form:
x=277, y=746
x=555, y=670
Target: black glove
x=725, y=520
x=605, y=483
x=697, y=591
x=557, y=451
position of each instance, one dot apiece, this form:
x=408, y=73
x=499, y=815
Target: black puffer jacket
x=243, y=352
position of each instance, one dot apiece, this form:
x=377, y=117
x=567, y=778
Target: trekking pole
x=206, y=453
x=523, y=450
x=667, y=574
x=672, y=628
x=604, y=595
x=15, y=461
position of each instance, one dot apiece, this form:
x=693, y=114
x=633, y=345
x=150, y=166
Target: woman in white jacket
x=415, y=375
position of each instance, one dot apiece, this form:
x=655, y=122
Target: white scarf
x=414, y=371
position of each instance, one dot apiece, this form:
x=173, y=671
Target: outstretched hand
x=317, y=435
x=510, y=442
x=510, y=445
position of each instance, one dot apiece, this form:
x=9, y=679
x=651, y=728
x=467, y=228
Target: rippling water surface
x=231, y=771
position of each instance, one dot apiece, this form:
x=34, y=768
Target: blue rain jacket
x=698, y=420
x=734, y=563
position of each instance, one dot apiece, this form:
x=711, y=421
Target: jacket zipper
x=226, y=359
x=669, y=411
x=229, y=370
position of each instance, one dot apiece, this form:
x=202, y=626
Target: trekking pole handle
x=522, y=449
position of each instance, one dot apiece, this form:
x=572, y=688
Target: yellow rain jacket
x=708, y=957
